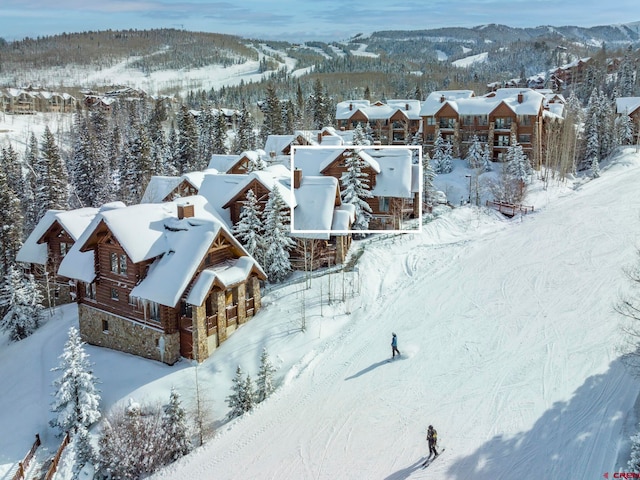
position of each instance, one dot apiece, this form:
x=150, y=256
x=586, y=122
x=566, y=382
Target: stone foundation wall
x=127, y=336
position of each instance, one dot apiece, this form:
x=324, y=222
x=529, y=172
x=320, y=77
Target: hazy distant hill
x=495, y=33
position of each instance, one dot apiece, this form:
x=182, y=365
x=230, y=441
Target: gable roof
x=160, y=186
x=315, y=205
x=278, y=143
x=378, y=111
x=74, y=222
x=627, y=105
x=187, y=243
x=153, y=231
x=521, y=101
x=275, y=175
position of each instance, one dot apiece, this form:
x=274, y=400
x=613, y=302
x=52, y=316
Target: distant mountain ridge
x=628, y=33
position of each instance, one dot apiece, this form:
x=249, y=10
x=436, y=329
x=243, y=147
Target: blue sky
x=300, y=19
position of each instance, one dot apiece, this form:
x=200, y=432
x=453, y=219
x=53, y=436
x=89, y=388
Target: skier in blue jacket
x=394, y=345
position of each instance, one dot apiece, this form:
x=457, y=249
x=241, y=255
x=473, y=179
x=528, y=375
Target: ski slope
x=510, y=348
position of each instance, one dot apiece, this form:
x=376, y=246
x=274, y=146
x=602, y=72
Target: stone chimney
x=520, y=97
x=406, y=106
x=442, y=99
x=297, y=178
x=351, y=106
x=319, y=138
x=185, y=210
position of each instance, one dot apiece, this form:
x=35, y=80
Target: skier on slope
x=432, y=438
x=394, y=345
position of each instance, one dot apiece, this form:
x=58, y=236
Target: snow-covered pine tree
x=52, y=179
x=359, y=137
x=320, y=106
x=174, y=424
x=91, y=172
x=249, y=229
x=356, y=189
x=592, y=151
x=77, y=400
x=21, y=303
x=219, y=143
x=486, y=158
x=474, y=155
x=442, y=156
x=428, y=179
x=517, y=163
x=264, y=382
x=256, y=162
x=272, y=110
x=187, y=151
x=29, y=207
x=288, y=116
x=245, y=138
x=83, y=451
x=623, y=130
x=278, y=243
x=135, y=167
x=11, y=225
x=242, y=397
x=206, y=127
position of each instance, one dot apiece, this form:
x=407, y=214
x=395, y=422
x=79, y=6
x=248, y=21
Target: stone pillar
x=219, y=300
x=255, y=288
x=242, y=303
x=200, y=348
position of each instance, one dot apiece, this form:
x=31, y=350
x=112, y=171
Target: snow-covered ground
x=161, y=81
x=510, y=348
x=470, y=60
x=361, y=51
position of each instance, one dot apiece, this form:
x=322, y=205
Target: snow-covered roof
x=32, y=251
x=378, y=110
x=186, y=244
x=272, y=176
x=278, y=143
x=74, y=222
x=435, y=100
x=522, y=101
x=627, y=105
x=311, y=160
x=149, y=231
x=218, y=189
x=223, y=163
x=395, y=176
x=343, y=217
x=315, y=203
x=161, y=186
x=227, y=274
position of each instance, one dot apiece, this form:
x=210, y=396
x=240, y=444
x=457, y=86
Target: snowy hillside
x=510, y=348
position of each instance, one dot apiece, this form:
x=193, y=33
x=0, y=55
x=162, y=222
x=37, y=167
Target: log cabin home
x=394, y=122
x=236, y=164
x=321, y=223
x=494, y=118
x=390, y=176
x=162, y=281
x=630, y=106
x=48, y=244
x=167, y=188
